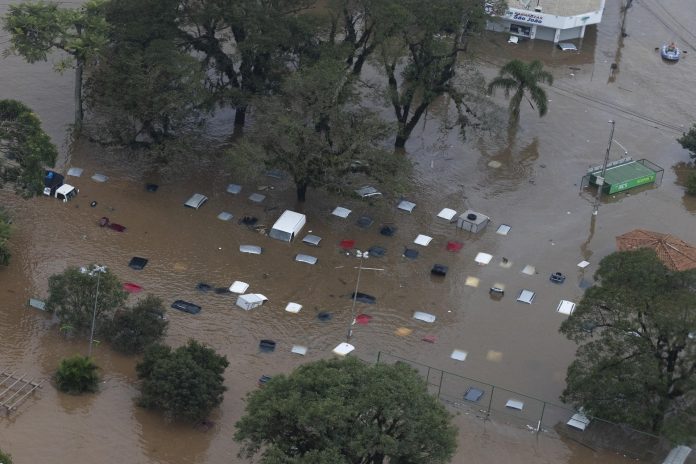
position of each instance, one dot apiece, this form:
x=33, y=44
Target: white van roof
x=290, y=222
x=65, y=189
x=287, y=226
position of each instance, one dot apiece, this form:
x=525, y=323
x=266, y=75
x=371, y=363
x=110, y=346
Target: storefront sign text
x=525, y=17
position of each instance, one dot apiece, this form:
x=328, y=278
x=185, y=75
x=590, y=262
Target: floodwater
x=535, y=191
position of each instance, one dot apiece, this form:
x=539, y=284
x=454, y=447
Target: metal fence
x=491, y=402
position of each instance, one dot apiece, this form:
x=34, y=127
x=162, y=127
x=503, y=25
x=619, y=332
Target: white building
x=553, y=20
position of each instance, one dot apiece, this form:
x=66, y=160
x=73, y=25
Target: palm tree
x=522, y=77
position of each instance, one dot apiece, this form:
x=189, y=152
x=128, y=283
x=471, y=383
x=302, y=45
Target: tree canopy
x=26, y=149
x=134, y=329
x=145, y=88
x=5, y=232
x=637, y=361
x=38, y=28
x=688, y=141
x=420, y=59
x=184, y=383
x=523, y=78
x=72, y=296
x=5, y=458
x=247, y=45
x=345, y=411
x=316, y=130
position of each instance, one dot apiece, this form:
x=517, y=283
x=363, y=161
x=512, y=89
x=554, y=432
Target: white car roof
x=196, y=200
x=567, y=46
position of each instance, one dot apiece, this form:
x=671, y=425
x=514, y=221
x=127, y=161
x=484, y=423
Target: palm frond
x=505, y=83
x=538, y=96
x=515, y=68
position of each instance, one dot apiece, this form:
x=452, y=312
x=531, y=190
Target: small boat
x=670, y=52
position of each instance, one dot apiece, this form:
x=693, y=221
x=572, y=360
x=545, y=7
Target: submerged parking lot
x=533, y=187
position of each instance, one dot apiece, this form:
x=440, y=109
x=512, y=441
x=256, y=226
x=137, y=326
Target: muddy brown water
x=535, y=191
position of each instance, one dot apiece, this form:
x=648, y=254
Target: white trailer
x=288, y=225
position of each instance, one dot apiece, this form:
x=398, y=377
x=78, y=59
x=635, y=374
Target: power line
x=669, y=25
x=616, y=107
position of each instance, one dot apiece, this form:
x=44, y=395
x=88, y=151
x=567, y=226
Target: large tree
x=184, y=383
x=421, y=59
x=37, y=29
x=316, y=130
x=346, y=412
x=246, y=45
x=355, y=28
x=134, y=329
x=76, y=300
x=25, y=148
x=145, y=89
x=522, y=78
x=688, y=141
x=637, y=361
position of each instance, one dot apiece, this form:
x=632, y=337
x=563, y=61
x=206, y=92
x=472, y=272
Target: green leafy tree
x=688, y=141
x=5, y=458
x=26, y=149
x=184, y=383
x=134, y=329
x=691, y=184
x=421, y=59
x=345, y=411
x=5, y=233
x=247, y=45
x=145, y=89
x=147, y=95
x=523, y=78
x=38, y=28
x=356, y=28
x=72, y=295
x=316, y=130
x=637, y=361
x=77, y=374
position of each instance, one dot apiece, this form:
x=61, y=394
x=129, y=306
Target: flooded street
x=536, y=191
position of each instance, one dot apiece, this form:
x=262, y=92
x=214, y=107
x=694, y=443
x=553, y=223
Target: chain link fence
x=491, y=402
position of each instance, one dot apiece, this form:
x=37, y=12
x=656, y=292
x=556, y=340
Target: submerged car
x=567, y=47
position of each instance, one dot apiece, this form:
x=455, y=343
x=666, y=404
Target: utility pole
x=99, y=270
x=599, y=180
x=360, y=255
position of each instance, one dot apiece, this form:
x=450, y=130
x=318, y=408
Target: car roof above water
x=567, y=47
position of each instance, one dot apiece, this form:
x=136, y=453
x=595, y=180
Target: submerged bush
x=5, y=458
x=77, y=374
x=5, y=231
x=691, y=184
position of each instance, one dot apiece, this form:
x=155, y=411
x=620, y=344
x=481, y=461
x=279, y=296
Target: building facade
x=552, y=20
